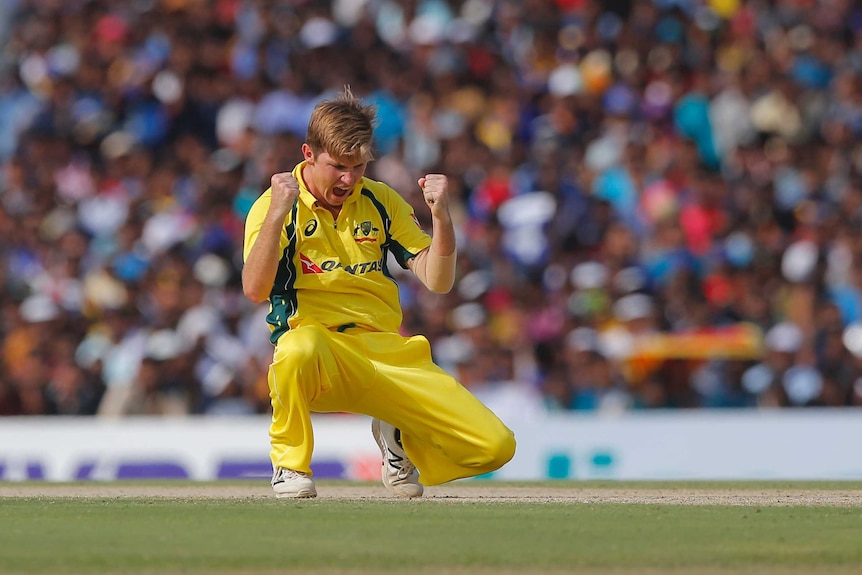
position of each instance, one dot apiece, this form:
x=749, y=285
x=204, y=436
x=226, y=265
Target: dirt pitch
x=464, y=492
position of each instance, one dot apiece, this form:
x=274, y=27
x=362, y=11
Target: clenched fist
x=435, y=189
x=285, y=190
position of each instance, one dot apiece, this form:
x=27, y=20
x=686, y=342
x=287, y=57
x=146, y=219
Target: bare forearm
x=443, y=235
x=435, y=266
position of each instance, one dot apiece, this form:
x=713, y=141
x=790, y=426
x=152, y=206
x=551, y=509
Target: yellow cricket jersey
x=334, y=272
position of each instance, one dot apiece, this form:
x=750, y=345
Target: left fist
x=435, y=189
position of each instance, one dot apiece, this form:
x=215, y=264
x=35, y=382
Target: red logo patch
x=308, y=266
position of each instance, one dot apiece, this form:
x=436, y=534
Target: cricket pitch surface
x=458, y=492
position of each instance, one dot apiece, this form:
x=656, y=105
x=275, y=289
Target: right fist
x=285, y=190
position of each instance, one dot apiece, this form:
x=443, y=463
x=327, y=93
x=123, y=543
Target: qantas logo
x=309, y=267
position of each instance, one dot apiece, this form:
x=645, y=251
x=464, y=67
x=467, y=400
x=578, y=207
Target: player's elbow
x=254, y=291
x=254, y=295
x=441, y=286
x=440, y=273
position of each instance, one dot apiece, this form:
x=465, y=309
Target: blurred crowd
x=658, y=202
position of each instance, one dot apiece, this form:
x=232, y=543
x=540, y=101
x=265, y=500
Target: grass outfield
x=583, y=527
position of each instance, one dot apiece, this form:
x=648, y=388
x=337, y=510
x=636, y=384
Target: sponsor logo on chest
x=310, y=267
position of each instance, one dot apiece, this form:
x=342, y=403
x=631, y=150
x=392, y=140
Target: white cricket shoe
x=290, y=483
x=399, y=474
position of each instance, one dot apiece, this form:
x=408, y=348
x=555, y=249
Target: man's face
x=330, y=179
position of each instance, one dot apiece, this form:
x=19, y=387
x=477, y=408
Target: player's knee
x=497, y=449
x=504, y=447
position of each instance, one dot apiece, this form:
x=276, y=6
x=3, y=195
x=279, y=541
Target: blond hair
x=342, y=127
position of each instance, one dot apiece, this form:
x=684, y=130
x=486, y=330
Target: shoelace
x=402, y=466
x=285, y=474
x=405, y=472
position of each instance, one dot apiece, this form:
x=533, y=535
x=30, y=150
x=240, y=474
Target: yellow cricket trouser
x=447, y=433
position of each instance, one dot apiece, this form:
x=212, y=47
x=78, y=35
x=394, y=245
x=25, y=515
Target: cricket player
x=316, y=246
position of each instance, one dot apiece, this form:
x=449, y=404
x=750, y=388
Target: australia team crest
x=365, y=232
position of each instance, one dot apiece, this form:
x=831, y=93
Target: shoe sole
x=398, y=492
x=301, y=494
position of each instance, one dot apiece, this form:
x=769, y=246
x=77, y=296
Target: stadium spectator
x=628, y=174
